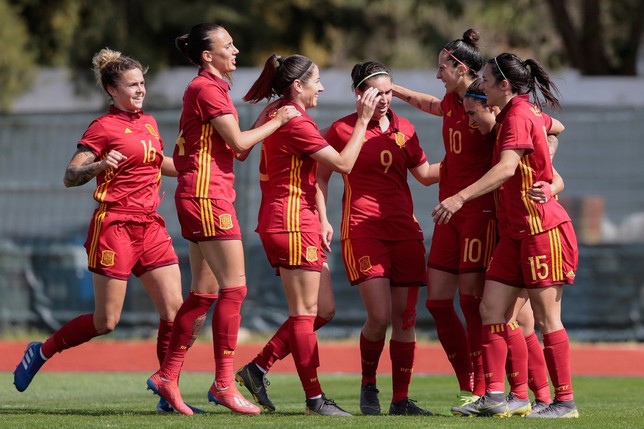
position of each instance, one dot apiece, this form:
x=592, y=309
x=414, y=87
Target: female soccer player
x=382, y=242
x=483, y=117
x=208, y=141
x=460, y=251
x=123, y=150
x=537, y=248
x=289, y=222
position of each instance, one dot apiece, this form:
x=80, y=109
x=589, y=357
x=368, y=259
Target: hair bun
x=471, y=37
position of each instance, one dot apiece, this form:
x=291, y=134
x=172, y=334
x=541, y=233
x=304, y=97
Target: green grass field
x=102, y=400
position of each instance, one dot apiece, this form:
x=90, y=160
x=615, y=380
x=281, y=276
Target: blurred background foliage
x=595, y=37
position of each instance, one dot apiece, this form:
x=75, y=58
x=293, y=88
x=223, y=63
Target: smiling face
x=450, y=74
x=308, y=92
x=129, y=92
x=222, y=57
x=481, y=116
x=491, y=87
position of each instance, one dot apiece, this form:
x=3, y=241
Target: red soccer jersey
x=134, y=185
x=377, y=201
x=201, y=156
x=522, y=126
x=287, y=177
x=468, y=156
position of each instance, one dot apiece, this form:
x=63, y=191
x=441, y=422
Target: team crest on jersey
x=400, y=139
x=107, y=258
x=151, y=130
x=225, y=221
x=311, y=253
x=536, y=111
x=365, y=264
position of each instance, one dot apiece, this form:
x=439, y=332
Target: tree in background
x=16, y=59
x=593, y=36
x=600, y=37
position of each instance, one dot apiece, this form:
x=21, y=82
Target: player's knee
x=379, y=323
x=326, y=313
x=106, y=325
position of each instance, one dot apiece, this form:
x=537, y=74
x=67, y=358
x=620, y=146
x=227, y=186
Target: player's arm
x=167, y=167
x=241, y=141
x=323, y=176
x=556, y=128
x=83, y=166
x=425, y=102
x=426, y=173
x=493, y=179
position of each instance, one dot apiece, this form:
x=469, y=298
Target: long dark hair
x=526, y=77
x=277, y=76
x=466, y=51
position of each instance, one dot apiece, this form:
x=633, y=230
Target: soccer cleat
x=407, y=407
x=369, y=403
x=163, y=407
x=465, y=397
x=324, y=407
x=485, y=406
x=538, y=405
x=557, y=410
x=230, y=398
x=169, y=390
x=255, y=381
x=518, y=407
x=28, y=367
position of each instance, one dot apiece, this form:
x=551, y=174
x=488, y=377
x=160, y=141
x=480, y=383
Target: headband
x=500, y=71
x=305, y=70
x=369, y=77
x=473, y=95
x=456, y=59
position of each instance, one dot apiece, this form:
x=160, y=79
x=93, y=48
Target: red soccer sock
x=73, y=333
x=453, y=338
x=557, y=353
x=186, y=327
x=516, y=365
x=277, y=348
x=402, y=366
x=370, y=352
x=304, y=344
x=495, y=351
x=225, y=328
x=163, y=339
x=470, y=306
x=537, y=369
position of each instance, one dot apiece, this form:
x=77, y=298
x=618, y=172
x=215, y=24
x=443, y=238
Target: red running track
x=335, y=357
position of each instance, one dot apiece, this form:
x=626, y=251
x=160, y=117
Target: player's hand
x=284, y=114
x=113, y=159
x=540, y=192
x=444, y=211
x=327, y=235
x=367, y=102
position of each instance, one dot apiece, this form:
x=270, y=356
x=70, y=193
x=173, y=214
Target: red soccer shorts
x=403, y=262
x=301, y=250
x=541, y=260
x=205, y=219
x=463, y=245
x=119, y=244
